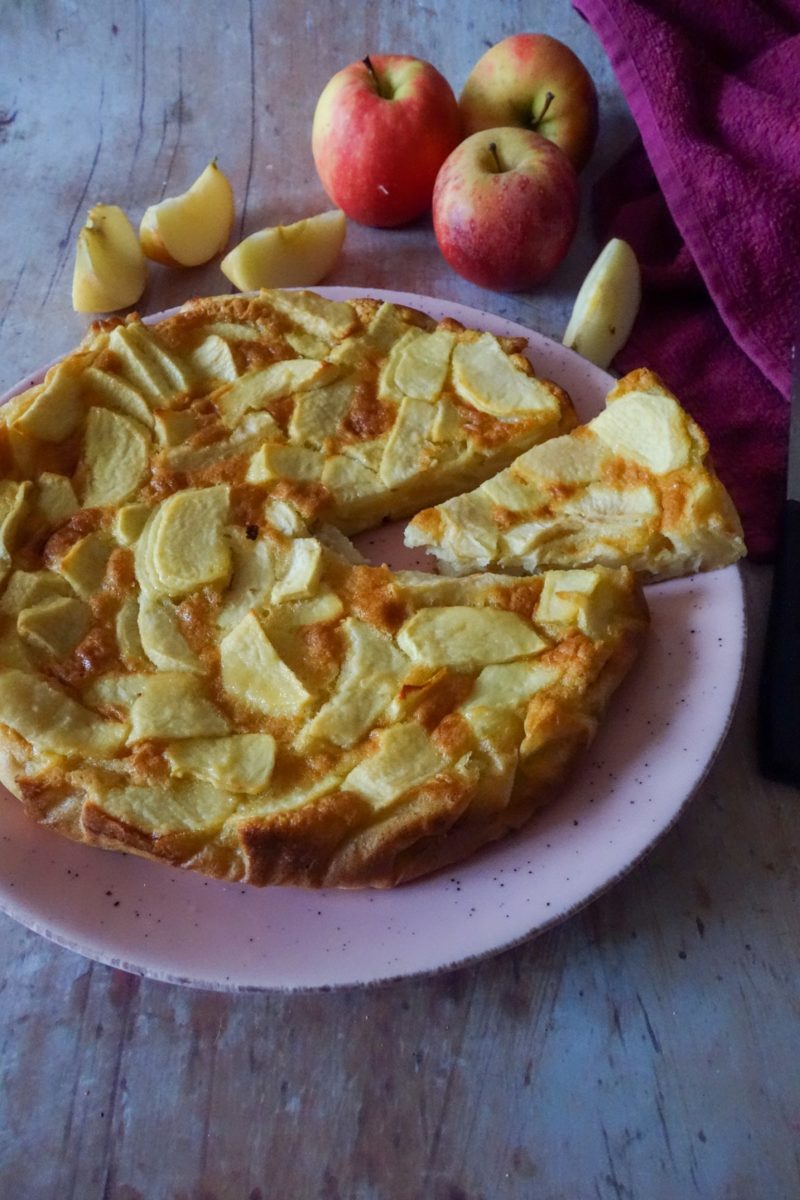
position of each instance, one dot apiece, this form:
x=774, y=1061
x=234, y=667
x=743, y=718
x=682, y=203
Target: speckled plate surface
x=661, y=734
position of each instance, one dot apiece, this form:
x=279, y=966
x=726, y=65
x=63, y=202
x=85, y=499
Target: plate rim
x=470, y=314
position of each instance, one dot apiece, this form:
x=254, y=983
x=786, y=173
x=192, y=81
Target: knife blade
x=779, y=710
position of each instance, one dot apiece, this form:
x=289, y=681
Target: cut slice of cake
x=635, y=487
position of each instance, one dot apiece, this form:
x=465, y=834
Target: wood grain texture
x=645, y=1048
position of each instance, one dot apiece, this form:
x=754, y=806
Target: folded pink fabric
x=710, y=201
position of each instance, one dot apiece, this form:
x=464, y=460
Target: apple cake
x=196, y=666
x=634, y=487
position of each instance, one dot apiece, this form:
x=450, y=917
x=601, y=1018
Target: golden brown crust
x=377, y=852
x=296, y=847
x=177, y=849
x=372, y=594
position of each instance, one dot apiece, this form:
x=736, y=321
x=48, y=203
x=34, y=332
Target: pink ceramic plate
x=662, y=733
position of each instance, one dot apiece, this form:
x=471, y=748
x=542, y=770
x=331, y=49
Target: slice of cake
x=633, y=488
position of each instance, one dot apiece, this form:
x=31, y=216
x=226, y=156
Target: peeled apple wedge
x=110, y=271
x=190, y=229
x=298, y=255
x=606, y=305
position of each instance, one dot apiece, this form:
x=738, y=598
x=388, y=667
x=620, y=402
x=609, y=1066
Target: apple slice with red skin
x=533, y=81
x=382, y=128
x=505, y=208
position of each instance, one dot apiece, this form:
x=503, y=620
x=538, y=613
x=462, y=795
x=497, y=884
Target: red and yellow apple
x=382, y=128
x=505, y=208
x=535, y=82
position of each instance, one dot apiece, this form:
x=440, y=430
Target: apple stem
x=495, y=155
x=367, y=61
x=548, y=100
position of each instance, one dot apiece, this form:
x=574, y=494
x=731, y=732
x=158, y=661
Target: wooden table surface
x=648, y=1047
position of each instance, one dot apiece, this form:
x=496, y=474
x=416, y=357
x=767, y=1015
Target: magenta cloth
x=710, y=201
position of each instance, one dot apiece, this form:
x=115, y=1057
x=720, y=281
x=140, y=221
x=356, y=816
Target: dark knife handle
x=779, y=734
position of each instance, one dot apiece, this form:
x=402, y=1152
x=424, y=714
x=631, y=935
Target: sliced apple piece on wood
x=297, y=255
x=187, y=230
x=606, y=305
x=110, y=271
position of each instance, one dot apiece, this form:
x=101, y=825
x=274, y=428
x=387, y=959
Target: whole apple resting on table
x=491, y=193
x=533, y=81
x=382, y=129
